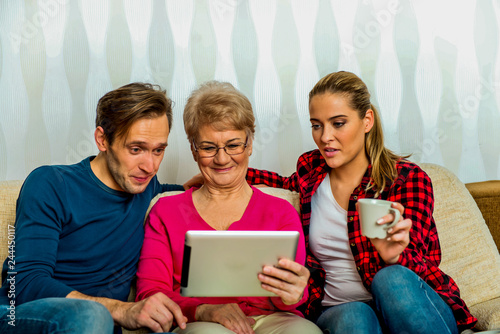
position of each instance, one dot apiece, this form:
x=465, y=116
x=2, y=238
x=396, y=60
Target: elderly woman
x=219, y=123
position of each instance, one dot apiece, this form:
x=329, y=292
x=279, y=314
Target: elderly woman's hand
x=288, y=281
x=398, y=237
x=228, y=315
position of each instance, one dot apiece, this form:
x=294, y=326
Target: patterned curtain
x=432, y=68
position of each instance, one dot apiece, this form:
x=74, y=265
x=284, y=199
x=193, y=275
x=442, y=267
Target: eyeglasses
x=208, y=151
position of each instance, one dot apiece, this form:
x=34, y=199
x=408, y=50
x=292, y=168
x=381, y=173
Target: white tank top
x=329, y=242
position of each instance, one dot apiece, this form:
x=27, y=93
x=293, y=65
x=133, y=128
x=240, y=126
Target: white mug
x=371, y=210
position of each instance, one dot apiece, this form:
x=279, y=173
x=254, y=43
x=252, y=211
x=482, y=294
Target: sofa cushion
x=469, y=254
x=9, y=191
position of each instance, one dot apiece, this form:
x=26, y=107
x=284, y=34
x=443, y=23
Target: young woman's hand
x=228, y=315
x=288, y=280
x=195, y=181
x=398, y=237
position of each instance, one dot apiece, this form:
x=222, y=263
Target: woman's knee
x=284, y=322
x=394, y=273
x=203, y=327
x=352, y=317
x=406, y=302
x=390, y=278
x=303, y=326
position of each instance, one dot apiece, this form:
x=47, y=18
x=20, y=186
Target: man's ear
x=100, y=139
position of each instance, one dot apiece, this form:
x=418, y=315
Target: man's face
x=134, y=158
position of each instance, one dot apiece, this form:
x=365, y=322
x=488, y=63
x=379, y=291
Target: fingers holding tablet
x=287, y=280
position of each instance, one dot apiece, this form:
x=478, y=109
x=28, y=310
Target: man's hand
x=228, y=315
x=156, y=312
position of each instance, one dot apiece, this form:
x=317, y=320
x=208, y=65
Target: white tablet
x=226, y=263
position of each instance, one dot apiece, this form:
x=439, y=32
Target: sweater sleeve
x=39, y=216
x=271, y=179
x=156, y=271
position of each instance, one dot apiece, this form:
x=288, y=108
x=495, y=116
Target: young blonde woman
x=361, y=285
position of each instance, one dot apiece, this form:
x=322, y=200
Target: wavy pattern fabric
x=433, y=75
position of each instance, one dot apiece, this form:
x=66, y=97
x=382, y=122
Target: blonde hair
x=220, y=105
x=351, y=87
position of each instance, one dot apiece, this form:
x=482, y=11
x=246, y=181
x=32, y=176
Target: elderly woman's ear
x=250, y=147
x=193, y=152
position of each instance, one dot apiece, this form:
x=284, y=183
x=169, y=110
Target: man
x=79, y=228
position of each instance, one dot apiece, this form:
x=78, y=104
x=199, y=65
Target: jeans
x=402, y=303
x=56, y=315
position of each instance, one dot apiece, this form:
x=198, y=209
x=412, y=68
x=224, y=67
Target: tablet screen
x=226, y=263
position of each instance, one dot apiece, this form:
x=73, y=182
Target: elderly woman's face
x=228, y=167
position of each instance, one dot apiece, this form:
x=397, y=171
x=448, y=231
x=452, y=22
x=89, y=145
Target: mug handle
x=396, y=214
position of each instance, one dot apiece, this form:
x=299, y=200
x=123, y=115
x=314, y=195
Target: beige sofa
x=470, y=255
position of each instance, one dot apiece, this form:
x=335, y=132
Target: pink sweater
x=171, y=217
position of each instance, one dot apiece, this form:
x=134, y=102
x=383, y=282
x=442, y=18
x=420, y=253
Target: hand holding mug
x=371, y=210
x=382, y=222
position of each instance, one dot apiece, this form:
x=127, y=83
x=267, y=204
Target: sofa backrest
x=9, y=191
x=469, y=254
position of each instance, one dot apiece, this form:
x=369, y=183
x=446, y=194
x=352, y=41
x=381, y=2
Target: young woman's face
x=338, y=131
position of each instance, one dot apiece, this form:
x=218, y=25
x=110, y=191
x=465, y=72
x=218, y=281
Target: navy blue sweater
x=72, y=232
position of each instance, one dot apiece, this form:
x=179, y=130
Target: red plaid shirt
x=413, y=189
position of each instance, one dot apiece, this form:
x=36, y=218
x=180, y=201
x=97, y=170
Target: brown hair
x=220, y=105
x=120, y=108
x=351, y=87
